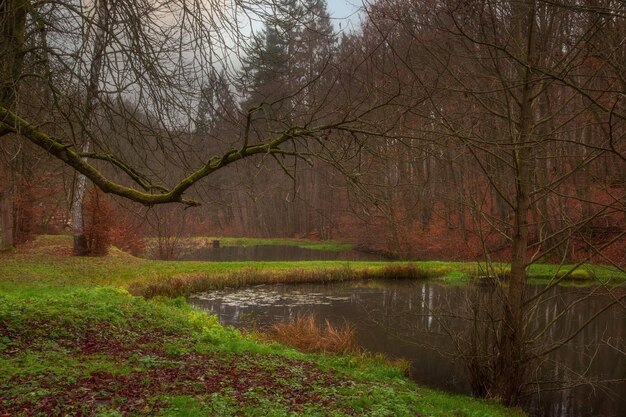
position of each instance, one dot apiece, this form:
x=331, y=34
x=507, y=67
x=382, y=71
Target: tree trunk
x=78, y=196
x=510, y=366
x=81, y=247
x=510, y=374
x=12, y=28
x=6, y=217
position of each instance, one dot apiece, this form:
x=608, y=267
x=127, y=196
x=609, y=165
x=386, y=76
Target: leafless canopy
x=127, y=78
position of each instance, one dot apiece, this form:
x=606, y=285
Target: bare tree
x=515, y=88
x=95, y=35
x=137, y=68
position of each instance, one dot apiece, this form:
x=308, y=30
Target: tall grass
x=190, y=283
x=306, y=334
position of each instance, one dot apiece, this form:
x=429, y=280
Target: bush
x=127, y=233
x=306, y=334
x=577, y=274
x=98, y=222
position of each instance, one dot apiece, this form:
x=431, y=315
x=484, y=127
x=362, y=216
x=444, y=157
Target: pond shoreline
x=203, y=276
x=41, y=283
x=394, y=317
x=73, y=340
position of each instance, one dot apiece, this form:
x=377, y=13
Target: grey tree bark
x=97, y=28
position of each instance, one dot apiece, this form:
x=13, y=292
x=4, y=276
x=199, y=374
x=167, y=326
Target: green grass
x=326, y=245
x=74, y=341
x=39, y=265
x=101, y=351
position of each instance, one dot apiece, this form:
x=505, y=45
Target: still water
x=412, y=320
x=273, y=253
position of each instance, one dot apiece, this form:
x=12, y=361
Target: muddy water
x=405, y=319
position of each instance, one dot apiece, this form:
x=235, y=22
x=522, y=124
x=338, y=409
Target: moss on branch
x=65, y=152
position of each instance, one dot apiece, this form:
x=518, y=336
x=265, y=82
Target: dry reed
x=306, y=334
x=189, y=283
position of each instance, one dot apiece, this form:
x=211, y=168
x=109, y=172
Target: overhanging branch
x=151, y=194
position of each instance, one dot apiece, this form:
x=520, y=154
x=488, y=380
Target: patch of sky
x=345, y=14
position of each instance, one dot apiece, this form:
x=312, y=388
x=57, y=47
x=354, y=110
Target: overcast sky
x=344, y=12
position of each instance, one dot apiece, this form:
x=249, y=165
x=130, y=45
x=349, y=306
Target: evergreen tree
x=318, y=35
x=295, y=45
x=206, y=109
x=217, y=109
x=265, y=67
x=317, y=44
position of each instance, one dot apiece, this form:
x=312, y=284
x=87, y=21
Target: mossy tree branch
x=132, y=173
x=11, y=122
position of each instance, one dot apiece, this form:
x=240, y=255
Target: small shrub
x=404, y=365
x=402, y=272
x=98, y=218
x=577, y=274
x=306, y=334
x=24, y=215
x=127, y=233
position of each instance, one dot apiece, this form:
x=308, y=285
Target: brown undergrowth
x=309, y=334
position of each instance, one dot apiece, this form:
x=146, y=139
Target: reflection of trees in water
x=414, y=320
x=574, y=353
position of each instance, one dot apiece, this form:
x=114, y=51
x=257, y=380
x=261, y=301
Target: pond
x=273, y=253
x=403, y=319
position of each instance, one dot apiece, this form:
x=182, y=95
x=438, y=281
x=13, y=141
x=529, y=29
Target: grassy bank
x=46, y=263
x=74, y=341
x=188, y=244
x=328, y=245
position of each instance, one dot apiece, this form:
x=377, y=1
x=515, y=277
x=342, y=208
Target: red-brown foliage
x=306, y=334
x=98, y=223
x=127, y=230
x=24, y=214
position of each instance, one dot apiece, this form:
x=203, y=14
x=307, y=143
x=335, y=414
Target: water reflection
x=412, y=320
x=272, y=253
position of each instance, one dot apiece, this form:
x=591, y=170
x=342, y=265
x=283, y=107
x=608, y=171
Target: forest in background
x=438, y=129
x=429, y=172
